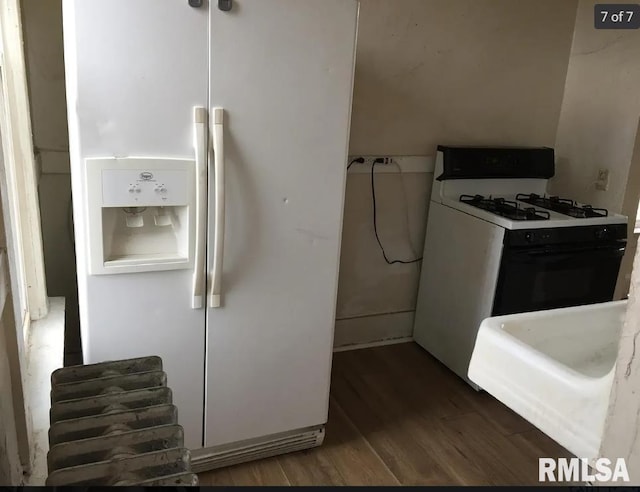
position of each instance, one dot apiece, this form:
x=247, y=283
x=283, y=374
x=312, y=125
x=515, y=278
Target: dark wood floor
x=397, y=416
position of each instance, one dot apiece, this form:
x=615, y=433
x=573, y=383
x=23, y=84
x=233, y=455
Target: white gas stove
x=516, y=202
x=497, y=243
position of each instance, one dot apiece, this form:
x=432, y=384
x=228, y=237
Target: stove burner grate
x=505, y=208
x=562, y=205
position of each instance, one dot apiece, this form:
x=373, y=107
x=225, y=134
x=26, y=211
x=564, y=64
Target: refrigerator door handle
x=219, y=201
x=200, y=147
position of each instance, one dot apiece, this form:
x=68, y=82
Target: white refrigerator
x=208, y=143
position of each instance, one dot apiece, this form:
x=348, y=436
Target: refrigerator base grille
x=217, y=457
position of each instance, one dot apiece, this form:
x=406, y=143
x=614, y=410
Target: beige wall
x=427, y=72
x=459, y=71
x=488, y=72
x=599, y=121
x=600, y=111
x=42, y=26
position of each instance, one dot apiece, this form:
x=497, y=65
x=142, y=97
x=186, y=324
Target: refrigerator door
x=135, y=70
x=282, y=73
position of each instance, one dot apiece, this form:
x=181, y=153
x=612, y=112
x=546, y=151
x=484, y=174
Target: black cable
x=375, y=219
x=357, y=159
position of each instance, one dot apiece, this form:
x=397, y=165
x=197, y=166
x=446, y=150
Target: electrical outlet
x=370, y=159
x=602, y=183
x=361, y=164
x=380, y=160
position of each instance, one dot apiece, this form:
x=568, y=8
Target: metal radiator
x=114, y=423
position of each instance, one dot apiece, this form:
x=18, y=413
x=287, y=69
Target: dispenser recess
x=141, y=214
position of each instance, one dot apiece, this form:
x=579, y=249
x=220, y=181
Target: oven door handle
x=568, y=254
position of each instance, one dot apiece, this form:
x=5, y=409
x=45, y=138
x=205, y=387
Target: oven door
x=533, y=279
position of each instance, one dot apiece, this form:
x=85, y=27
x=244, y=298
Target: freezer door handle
x=219, y=204
x=200, y=148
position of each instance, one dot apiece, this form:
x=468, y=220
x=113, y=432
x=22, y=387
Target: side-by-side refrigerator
x=208, y=144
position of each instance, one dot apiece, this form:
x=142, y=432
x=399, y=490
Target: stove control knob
x=530, y=237
x=602, y=233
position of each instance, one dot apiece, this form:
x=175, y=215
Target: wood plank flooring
x=399, y=417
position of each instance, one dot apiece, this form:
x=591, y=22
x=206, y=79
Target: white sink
x=554, y=368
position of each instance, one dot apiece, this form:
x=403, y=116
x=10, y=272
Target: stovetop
x=534, y=207
x=564, y=206
x=505, y=208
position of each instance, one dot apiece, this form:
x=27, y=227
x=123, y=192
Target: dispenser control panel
x=142, y=187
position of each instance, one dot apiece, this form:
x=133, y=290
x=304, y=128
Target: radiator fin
x=114, y=423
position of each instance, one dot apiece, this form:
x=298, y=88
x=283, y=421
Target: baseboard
x=376, y=329
x=358, y=346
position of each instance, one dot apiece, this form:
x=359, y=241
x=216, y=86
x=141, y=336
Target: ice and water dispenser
x=141, y=214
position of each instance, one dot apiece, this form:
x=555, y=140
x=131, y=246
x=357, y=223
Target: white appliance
x=496, y=244
x=208, y=151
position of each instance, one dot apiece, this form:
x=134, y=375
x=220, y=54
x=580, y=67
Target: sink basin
x=555, y=368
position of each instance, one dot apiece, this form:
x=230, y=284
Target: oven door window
x=537, y=279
